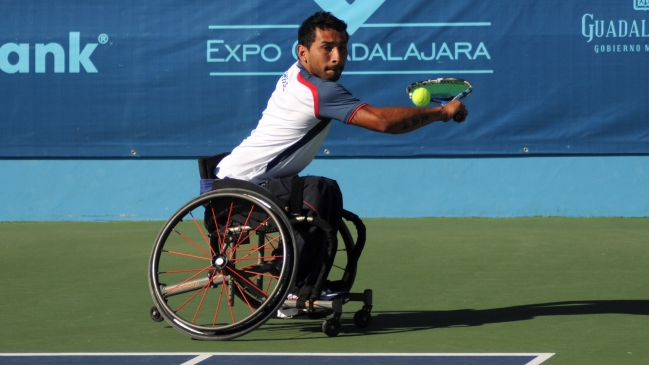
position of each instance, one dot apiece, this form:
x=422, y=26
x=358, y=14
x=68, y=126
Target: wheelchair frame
x=225, y=276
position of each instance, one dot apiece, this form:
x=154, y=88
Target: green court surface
x=575, y=287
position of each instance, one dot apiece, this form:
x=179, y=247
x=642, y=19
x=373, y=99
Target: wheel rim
x=222, y=281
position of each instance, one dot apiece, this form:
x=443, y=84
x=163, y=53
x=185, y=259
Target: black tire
x=155, y=314
x=331, y=327
x=362, y=318
x=230, y=258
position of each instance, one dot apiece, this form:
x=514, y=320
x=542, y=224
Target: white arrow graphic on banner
x=354, y=14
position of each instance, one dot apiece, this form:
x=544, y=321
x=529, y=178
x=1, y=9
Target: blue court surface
x=273, y=359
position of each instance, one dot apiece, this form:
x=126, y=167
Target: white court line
x=202, y=356
x=541, y=358
x=197, y=359
x=360, y=354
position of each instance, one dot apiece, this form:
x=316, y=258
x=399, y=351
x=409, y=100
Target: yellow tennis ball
x=420, y=96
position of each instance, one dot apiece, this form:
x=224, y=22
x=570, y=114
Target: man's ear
x=301, y=53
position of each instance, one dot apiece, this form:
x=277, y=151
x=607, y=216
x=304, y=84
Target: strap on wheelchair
x=297, y=195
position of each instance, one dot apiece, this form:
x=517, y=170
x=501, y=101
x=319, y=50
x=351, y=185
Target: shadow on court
x=472, y=317
x=407, y=321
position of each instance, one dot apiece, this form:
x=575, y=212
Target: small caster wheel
x=331, y=327
x=155, y=314
x=362, y=319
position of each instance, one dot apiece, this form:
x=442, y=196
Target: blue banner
x=108, y=78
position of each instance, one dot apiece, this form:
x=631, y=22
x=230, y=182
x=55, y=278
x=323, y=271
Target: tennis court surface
x=446, y=291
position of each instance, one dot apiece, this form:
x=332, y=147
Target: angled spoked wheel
x=363, y=318
x=343, y=271
x=223, y=264
x=331, y=327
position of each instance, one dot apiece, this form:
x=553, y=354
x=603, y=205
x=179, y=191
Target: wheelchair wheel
x=223, y=264
x=346, y=261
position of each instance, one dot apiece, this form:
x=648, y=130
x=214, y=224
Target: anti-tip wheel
x=155, y=314
x=362, y=319
x=331, y=327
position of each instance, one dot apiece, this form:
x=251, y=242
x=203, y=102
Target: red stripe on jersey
x=314, y=91
x=354, y=113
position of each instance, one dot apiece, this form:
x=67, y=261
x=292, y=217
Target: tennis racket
x=443, y=91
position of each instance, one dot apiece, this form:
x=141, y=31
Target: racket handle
x=458, y=117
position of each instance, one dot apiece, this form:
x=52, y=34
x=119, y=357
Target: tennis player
x=296, y=121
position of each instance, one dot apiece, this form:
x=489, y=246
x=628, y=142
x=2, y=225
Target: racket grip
x=458, y=117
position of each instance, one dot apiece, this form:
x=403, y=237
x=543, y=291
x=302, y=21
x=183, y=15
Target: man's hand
x=453, y=108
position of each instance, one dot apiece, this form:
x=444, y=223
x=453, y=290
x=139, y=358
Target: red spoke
x=187, y=255
x=249, y=234
x=200, y=305
x=180, y=271
x=270, y=248
x=256, y=249
x=218, y=233
x=192, y=242
x=188, y=300
x=244, y=297
x=245, y=249
x=218, y=305
x=268, y=286
x=256, y=258
x=247, y=266
x=261, y=274
x=267, y=247
x=227, y=296
x=245, y=224
x=227, y=224
x=272, y=239
x=193, y=296
x=188, y=279
x=200, y=230
x=243, y=278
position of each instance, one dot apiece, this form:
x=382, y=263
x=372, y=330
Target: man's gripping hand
x=454, y=110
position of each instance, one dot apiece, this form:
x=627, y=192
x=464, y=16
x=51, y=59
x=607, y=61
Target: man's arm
x=397, y=120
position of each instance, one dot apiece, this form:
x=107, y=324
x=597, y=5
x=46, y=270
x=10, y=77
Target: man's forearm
x=397, y=120
x=404, y=120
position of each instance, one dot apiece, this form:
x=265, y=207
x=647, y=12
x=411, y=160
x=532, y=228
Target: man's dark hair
x=320, y=20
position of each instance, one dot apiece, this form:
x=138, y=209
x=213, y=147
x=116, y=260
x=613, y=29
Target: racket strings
x=442, y=90
x=445, y=90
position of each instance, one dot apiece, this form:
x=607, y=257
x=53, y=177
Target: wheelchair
x=226, y=262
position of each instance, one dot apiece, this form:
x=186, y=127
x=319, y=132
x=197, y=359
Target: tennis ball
x=420, y=96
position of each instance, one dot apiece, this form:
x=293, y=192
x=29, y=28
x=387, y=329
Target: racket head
x=443, y=90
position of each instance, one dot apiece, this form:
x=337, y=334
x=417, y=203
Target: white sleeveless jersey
x=291, y=129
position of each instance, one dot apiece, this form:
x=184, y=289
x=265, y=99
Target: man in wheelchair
x=255, y=249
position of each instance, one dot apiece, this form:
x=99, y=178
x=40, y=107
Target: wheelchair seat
x=226, y=262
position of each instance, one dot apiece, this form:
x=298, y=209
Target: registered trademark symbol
x=103, y=38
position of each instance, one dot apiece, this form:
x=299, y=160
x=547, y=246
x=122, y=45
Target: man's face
x=327, y=55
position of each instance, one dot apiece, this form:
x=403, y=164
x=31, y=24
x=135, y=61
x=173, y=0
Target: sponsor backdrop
x=180, y=78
